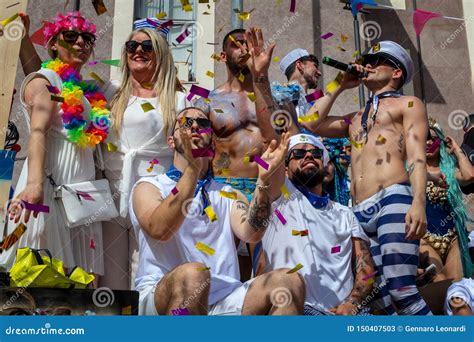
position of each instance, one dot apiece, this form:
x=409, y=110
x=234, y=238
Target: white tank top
x=158, y=258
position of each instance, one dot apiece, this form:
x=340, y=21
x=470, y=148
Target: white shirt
x=463, y=289
x=327, y=273
x=158, y=258
x=141, y=140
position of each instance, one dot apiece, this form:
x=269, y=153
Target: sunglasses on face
x=132, y=45
x=201, y=122
x=377, y=61
x=70, y=37
x=300, y=153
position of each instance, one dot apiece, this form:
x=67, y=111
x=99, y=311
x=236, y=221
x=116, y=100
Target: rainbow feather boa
x=72, y=92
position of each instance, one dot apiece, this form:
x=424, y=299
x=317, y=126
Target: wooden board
x=9, y=52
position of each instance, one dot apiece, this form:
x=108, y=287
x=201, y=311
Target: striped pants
x=382, y=217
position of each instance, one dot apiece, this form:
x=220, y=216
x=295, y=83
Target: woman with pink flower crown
x=67, y=118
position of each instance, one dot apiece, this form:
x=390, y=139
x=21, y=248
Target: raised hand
x=259, y=59
x=275, y=157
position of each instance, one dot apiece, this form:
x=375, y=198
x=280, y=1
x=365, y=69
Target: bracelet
x=260, y=79
x=263, y=187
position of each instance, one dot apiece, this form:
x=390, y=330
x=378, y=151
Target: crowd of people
x=252, y=200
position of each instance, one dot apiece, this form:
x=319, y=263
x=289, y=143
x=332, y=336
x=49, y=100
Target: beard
x=311, y=82
x=308, y=178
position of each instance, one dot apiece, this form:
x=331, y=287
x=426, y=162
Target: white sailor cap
x=309, y=139
x=396, y=54
x=292, y=57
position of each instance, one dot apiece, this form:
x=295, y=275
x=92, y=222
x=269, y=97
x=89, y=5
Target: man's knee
x=293, y=281
x=192, y=274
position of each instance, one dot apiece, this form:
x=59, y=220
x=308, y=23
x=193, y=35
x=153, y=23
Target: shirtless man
x=389, y=137
x=233, y=109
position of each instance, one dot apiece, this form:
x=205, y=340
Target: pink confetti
x=53, y=89
x=92, y=244
x=92, y=63
x=280, y=216
x=260, y=162
x=174, y=191
x=348, y=121
x=371, y=275
x=205, y=131
x=35, y=207
x=202, y=152
x=314, y=96
x=293, y=6
x=85, y=195
x=180, y=312
x=183, y=36
x=154, y=161
x=200, y=91
x=166, y=24
x=335, y=249
x=190, y=96
x=327, y=35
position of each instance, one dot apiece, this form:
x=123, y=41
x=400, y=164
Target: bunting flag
x=420, y=18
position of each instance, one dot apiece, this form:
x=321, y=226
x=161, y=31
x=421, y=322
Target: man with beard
x=321, y=235
x=234, y=107
x=185, y=225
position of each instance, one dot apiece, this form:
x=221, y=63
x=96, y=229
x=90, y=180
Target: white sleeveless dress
x=69, y=163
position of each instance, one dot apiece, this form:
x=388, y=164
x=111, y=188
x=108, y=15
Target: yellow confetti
x=284, y=191
x=210, y=213
x=127, y=310
x=147, y=106
x=344, y=38
x=216, y=57
x=111, y=147
x=244, y=16
x=223, y=172
x=147, y=86
x=241, y=78
x=97, y=78
x=7, y=21
x=161, y=15
x=410, y=104
x=355, y=99
x=276, y=59
x=210, y=74
x=332, y=86
x=207, y=100
x=356, y=144
x=200, y=269
x=381, y=139
x=205, y=249
x=251, y=96
x=370, y=281
x=218, y=110
x=149, y=169
x=247, y=160
x=188, y=8
x=295, y=232
x=228, y=194
x=294, y=269
x=309, y=117
x=355, y=54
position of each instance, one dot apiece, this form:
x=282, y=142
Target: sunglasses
x=378, y=60
x=132, y=45
x=300, y=153
x=201, y=122
x=70, y=37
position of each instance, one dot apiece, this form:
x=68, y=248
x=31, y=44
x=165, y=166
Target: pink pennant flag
x=420, y=18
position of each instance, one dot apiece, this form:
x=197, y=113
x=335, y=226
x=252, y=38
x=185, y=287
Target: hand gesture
x=32, y=194
x=275, y=157
x=415, y=222
x=350, y=80
x=451, y=144
x=196, y=164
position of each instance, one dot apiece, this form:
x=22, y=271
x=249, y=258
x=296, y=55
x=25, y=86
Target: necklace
x=73, y=89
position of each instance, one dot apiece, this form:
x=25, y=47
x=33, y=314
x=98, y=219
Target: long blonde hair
x=164, y=82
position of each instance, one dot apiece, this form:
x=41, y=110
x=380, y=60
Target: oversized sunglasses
x=379, y=60
x=299, y=153
x=70, y=37
x=201, y=122
x=132, y=45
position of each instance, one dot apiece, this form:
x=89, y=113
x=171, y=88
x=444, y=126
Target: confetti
x=356, y=144
x=188, y=8
x=370, y=281
x=371, y=275
x=202, y=152
x=335, y=249
x=216, y=57
x=147, y=86
x=113, y=62
x=210, y=74
x=53, y=89
x=174, y=191
x=12, y=238
x=247, y=160
x=7, y=21
x=200, y=269
x=348, y=121
x=96, y=77
x=332, y=86
x=276, y=59
x=341, y=49
x=91, y=244
x=57, y=98
x=327, y=35
x=309, y=118
x=218, y=110
x=161, y=15
x=154, y=161
x=183, y=36
x=200, y=91
x=284, y=191
x=241, y=78
x=344, y=38
x=85, y=195
x=260, y=162
x=180, y=312
x=280, y=216
x=150, y=168
x=300, y=232
x=166, y=24
x=210, y=213
x=204, y=248
x=228, y=194
x=294, y=269
x=381, y=139
x=410, y=104
x=127, y=310
x=314, y=96
x=92, y=63
x=292, y=6
x=355, y=54
x=223, y=172
x=147, y=106
x=111, y=147
x=251, y=96
x=206, y=13
x=99, y=6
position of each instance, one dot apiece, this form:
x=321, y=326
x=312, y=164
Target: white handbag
x=87, y=202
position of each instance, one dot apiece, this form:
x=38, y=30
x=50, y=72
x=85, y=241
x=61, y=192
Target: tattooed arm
x=363, y=267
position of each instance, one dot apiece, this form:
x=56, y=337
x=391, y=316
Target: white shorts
x=231, y=305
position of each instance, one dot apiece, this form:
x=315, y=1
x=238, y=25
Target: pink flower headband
x=71, y=21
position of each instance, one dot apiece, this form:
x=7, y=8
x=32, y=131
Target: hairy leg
x=275, y=293
x=184, y=287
